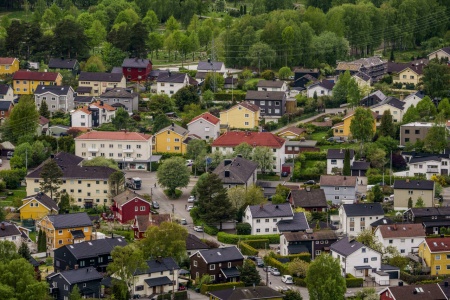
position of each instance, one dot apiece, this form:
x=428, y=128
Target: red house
x=136, y=69
x=127, y=205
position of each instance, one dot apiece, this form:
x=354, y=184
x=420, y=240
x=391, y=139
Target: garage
x=393, y=272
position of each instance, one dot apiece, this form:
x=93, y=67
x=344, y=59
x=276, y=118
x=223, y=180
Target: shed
x=6, y=147
x=381, y=278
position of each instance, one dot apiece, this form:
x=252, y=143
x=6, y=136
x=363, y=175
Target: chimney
x=261, y=206
x=395, y=226
x=276, y=206
x=227, y=173
x=340, y=150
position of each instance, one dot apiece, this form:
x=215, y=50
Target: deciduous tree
x=362, y=125
x=436, y=79
x=75, y=293
x=24, y=251
x=367, y=238
x=298, y=268
x=23, y=119
x=426, y=108
x=185, y=96
x=419, y=203
x=173, y=174
x=387, y=127
x=263, y=156
x=411, y=115
x=116, y=183
x=243, y=149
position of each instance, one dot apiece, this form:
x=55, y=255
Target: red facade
x=137, y=74
x=126, y=211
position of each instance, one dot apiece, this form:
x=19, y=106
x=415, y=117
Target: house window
x=336, y=188
x=139, y=288
x=66, y=287
x=86, y=229
x=363, y=250
x=366, y=260
x=60, y=232
x=213, y=277
x=258, y=230
x=373, y=258
x=438, y=268
x=142, y=208
x=212, y=267
x=195, y=263
x=410, y=192
x=402, y=250
x=437, y=257
x=267, y=220
x=334, y=162
x=318, y=252
x=391, y=241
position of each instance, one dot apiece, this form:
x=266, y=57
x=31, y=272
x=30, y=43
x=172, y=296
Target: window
x=195, y=263
x=267, y=220
x=374, y=258
x=336, y=198
x=402, y=250
x=391, y=241
x=366, y=260
x=448, y=267
x=410, y=192
x=212, y=267
x=417, y=131
x=213, y=277
x=142, y=208
x=86, y=229
x=437, y=257
x=83, y=145
x=318, y=252
x=336, y=188
x=275, y=220
x=66, y=287
x=363, y=250
x=266, y=230
x=438, y=268
x=136, y=208
x=334, y=162
x=60, y=232
x=402, y=240
x=258, y=221
x=139, y=288
x=274, y=229
x=258, y=230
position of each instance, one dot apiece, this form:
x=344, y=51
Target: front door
x=154, y=290
x=435, y=230
x=366, y=272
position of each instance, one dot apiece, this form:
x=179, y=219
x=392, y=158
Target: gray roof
x=45, y=200
x=379, y=94
x=100, y=76
x=4, y=89
x=345, y=247
x=295, y=249
x=84, y=89
x=225, y=254
x=406, y=184
x=315, y=236
x=237, y=170
x=175, y=128
x=298, y=223
x=339, y=153
x=80, y=275
x=77, y=234
x=194, y=243
x=360, y=165
x=164, y=280
x=430, y=211
x=309, y=198
x=382, y=221
x=83, y=99
x=61, y=63
x=247, y=293
x=9, y=230
x=158, y=265
x=94, y=247
x=118, y=93
x=394, y=102
x=70, y=220
x=425, y=158
x=59, y=90
x=207, y=66
x=117, y=70
x=171, y=77
x=363, y=76
x=135, y=63
x=327, y=84
x=271, y=210
x=363, y=209
x=265, y=95
x=230, y=272
x=302, y=143
x=270, y=83
x=5, y=105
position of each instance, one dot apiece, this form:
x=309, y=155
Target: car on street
x=259, y=262
x=287, y=279
x=309, y=182
x=275, y=272
x=191, y=199
x=190, y=207
x=183, y=222
x=155, y=205
x=198, y=228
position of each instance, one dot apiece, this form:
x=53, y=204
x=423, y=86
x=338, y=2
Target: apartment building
x=96, y=83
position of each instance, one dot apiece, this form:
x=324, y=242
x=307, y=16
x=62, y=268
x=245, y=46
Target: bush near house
x=251, y=247
x=412, y=279
x=302, y=256
x=224, y=96
x=220, y=286
x=299, y=281
x=315, y=155
x=234, y=239
x=352, y=281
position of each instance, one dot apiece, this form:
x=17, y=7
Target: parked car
x=198, y=228
x=268, y=269
x=191, y=199
x=310, y=182
x=259, y=262
x=284, y=174
x=287, y=279
x=190, y=207
x=9, y=155
x=155, y=205
x=183, y=222
x=252, y=257
x=275, y=272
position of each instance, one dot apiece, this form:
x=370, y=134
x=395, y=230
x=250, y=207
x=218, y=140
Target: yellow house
x=26, y=82
x=410, y=75
x=37, y=207
x=343, y=129
x=292, y=132
x=66, y=229
x=436, y=254
x=171, y=139
x=8, y=65
x=244, y=115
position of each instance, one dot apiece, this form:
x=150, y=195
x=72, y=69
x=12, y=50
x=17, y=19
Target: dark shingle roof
x=175, y=128
x=327, y=84
x=158, y=265
x=271, y=210
x=81, y=275
x=265, y=95
x=118, y=93
x=270, y=83
x=4, y=89
x=430, y=291
x=94, y=247
x=237, y=170
x=346, y=247
x=230, y=272
x=70, y=220
x=58, y=63
x=221, y=254
x=425, y=158
x=247, y=293
x=54, y=89
x=45, y=200
x=298, y=223
x=394, y=102
x=383, y=221
x=100, y=76
x=363, y=76
x=360, y=165
x=363, y=209
x=77, y=234
x=414, y=184
x=5, y=105
x=430, y=211
x=135, y=63
x=83, y=99
x=174, y=77
x=206, y=66
x=339, y=153
x=315, y=236
x=9, y=229
x=164, y=280
x=194, y=243
x=311, y=198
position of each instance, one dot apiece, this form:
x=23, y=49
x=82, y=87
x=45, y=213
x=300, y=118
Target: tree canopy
x=173, y=174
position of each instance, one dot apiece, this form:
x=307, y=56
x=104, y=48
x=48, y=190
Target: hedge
x=220, y=286
x=210, y=230
x=224, y=96
x=228, y=238
x=246, y=249
x=302, y=256
x=181, y=295
x=258, y=244
x=299, y=281
x=411, y=279
x=374, y=179
x=273, y=262
x=352, y=281
x=315, y=155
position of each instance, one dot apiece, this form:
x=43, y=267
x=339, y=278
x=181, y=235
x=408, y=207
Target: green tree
x=207, y=98
x=43, y=110
x=298, y=268
x=411, y=115
x=243, y=149
x=213, y=205
x=362, y=125
x=346, y=169
x=172, y=24
x=23, y=119
x=96, y=34
x=419, y=203
x=213, y=82
x=161, y=121
x=101, y=161
x=22, y=153
x=42, y=241
x=377, y=194
x=121, y=120
x=340, y=89
x=8, y=251
x=64, y=203
x=262, y=55
x=94, y=64
x=284, y=73
x=426, y=108
x=75, y=293
x=173, y=174
x=161, y=103
x=436, y=79
x=151, y=20
x=367, y=238
x=254, y=195
x=116, y=183
x=111, y=55
x=51, y=178
x=436, y=138
x=185, y=96
x=24, y=251
x=263, y=156
x=155, y=42
x=70, y=39
x=444, y=108
x=324, y=279
x=249, y=274
x=292, y=295
x=387, y=127
x=196, y=150
x=353, y=93
x=410, y=202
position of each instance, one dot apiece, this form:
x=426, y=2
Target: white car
x=190, y=207
x=287, y=279
x=191, y=199
x=275, y=272
x=198, y=228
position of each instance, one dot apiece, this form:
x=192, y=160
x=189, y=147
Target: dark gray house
x=314, y=243
x=237, y=172
x=303, y=76
x=61, y=64
x=272, y=104
x=87, y=279
x=121, y=98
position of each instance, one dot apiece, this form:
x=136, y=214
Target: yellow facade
x=343, y=130
x=9, y=68
x=33, y=209
x=60, y=237
x=169, y=141
x=240, y=117
x=438, y=262
x=407, y=76
x=27, y=87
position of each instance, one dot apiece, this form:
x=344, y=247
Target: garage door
x=392, y=274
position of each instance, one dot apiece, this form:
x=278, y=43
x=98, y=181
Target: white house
x=205, y=67
x=412, y=99
x=339, y=189
x=10, y=232
x=93, y=115
x=406, y=238
x=6, y=92
x=321, y=88
x=170, y=82
x=336, y=157
x=363, y=80
x=57, y=98
x=429, y=165
x=355, y=258
x=206, y=126
x=272, y=86
x=443, y=53
x=395, y=106
x=355, y=218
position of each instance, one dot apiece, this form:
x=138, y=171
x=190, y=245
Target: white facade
x=336, y=163
x=397, y=114
x=14, y=238
x=354, y=225
x=364, y=256
x=404, y=245
x=99, y=115
x=171, y=88
x=320, y=91
x=8, y=96
x=411, y=100
x=283, y=88
x=141, y=288
x=430, y=167
x=266, y=225
x=81, y=118
x=204, y=129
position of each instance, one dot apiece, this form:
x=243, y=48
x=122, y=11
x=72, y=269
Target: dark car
x=252, y=258
x=284, y=174
x=155, y=205
x=310, y=182
x=259, y=262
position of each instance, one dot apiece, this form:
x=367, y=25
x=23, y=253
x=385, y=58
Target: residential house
x=6, y=93
x=136, y=69
x=292, y=132
x=227, y=141
x=93, y=115
x=8, y=65
x=272, y=86
x=43, y=125
x=10, y=232
x=6, y=147
x=246, y=293
x=355, y=258
x=391, y=104
x=230, y=83
x=301, y=83
x=58, y=98
x=244, y=115
x=429, y=165
x=171, y=139
x=121, y=98
x=5, y=109
x=66, y=229
x=335, y=160
x=85, y=184
x=37, y=207
x=410, y=75
x=159, y=277
x=303, y=76
x=206, y=126
x=412, y=99
x=339, y=189
x=406, y=238
x=296, y=224
x=355, y=218
x=127, y=205
x=219, y=263
x=26, y=82
x=414, y=189
x=96, y=83
x=374, y=67
x=312, y=242
x=88, y=254
x=435, y=252
x=430, y=291
x=237, y=172
x=432, y=218
x=359, y=168
x=312, y=200
x=143, y=222
x=342, y=129
x=272, y=104
x=58, y=130
x=87, y=280
x=170, y=82
x=61, y=64
x=413, y=132
x=131, y=150
x=194, y=244
x=79, y=101
x=320, y=88
x=373, y=98
x=440, y=54
x=294, y=148
x=205, y=67
x=363, y=80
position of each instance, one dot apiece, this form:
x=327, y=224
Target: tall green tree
x=436, y=138
x=185, y=96
x=346, y=169
x=121, y=120
x=160, y=121
x=43, y=110
x=353, y=93
x=377, y=194
x=419, y=203
x=264, y=157
x=249, y=274
x=444, y=107
x=426, y=108
x=8, y=251
x=64, y=203
x=23, y=119
x=324, y=279
x=24, y=251
x=262, y=55
x=411, y=115
x=340, y=89
x=75, y=293
x=362, y=125
x=51, y=178
x=70, y=40
x=436, y=79
x=387, y=127
x=116, y=183
x=243, y=149
x=173, y=174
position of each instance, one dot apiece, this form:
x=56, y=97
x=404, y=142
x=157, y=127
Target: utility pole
x=26, y=158
x=173, y=283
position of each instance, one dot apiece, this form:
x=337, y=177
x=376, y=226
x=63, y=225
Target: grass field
x=8, y=201
x=319, y=136
x=19, y=14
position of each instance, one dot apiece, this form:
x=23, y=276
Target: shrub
x=181, y=295
x=299, y=281
x=221, y=286
x=258, y=244
x=211, y=230
x=315, y=155
x=243, y=229
x=273, y=262
x=352, y=281
x=411, y=279
x=303, y=256
x=228, y=238
x=246, y=249
x=224, y=96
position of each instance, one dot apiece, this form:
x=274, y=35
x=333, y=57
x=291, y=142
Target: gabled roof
x=118, y=93
x=351, y=66
x=79, y=275
x=309, y=198
x=293, y=129
x=209, y=66
x=158, y=265
x=338, y=180
x=438, y=244
x=38, y=76
x=135, y=63
x=207, y=117
x=43, y=120
x=271, y=210
x=126, y=196
x=424, y=158
x=429, y=211
x=58, y=63
x=416, y=68
x=363, y=76
x=7, y=60
x=101, y=105
x=234, y=138
x=360, y=165
x=70, y=220
x=430, y=291
x=175, y=128
x=363, y=209
x=8, y=229
x=382, y=221
x=339, y=153
x=445, y=49
x=114, y=135
x=83, y=99
x=100, y=76
x=394, y=102
x=406, y=184
x=247, y=293
x=379, y=94
x=237, y=170
x=194, y=243
x=315, y=236
x=93, y=248
x=171, y=77
x=298, y=223
x=326, y=84
x=346, y=247
x=271, y=83
x=5, y=105
x=224, y=254
x=43, y=199
x=265, y=95
x=246, y=105
x=4, y=88
x=401, y=231
x=58, y=90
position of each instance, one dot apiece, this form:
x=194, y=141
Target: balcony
x=432, y=170
x=125, y=150
x=93, y=150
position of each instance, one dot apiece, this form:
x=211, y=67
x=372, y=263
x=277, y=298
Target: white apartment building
x=93, y=115
x=355, y=218
x=264, y=218
x=170, y=82
x=406, y=238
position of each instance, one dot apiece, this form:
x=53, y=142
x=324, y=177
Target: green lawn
x=268, y=177
x=340, y=146
x=19, y=14
x=18, y=193
x=319, y=136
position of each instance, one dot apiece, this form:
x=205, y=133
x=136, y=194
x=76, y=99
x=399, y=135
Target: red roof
x=101, y=104
x=114, y=135
x=234, y=138
x=43, y=120
x=6, y=60
x=208, y=117
x=438, y=244
x=28, y=75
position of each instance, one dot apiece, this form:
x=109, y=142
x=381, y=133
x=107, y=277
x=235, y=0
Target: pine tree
x=249, y=274
x=43, y=110
x=346, y=170
x=24, y=251
x=51, y=174
x=387, y=127
x=75, y=294
x=64, y=203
